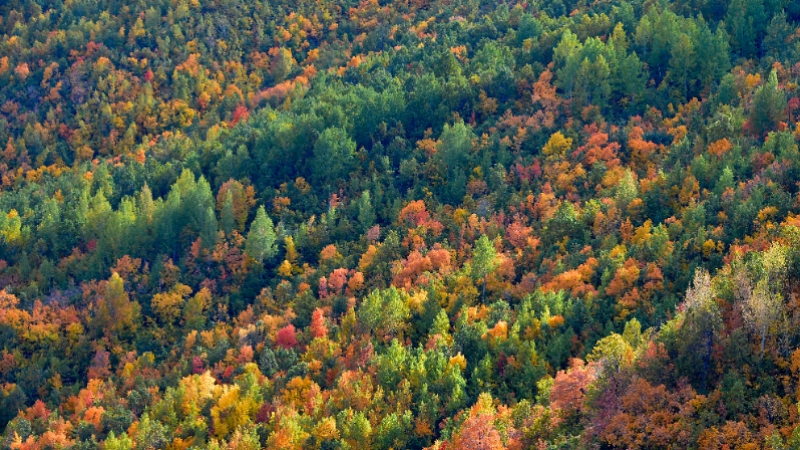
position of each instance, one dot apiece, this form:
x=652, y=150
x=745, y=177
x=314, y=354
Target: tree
x=168, y=305
x=779, y=32
x=613, y=351
x=484, y=260
x=227, y=217
x=682, y=64
x=317, y=327
x=769, y=106
x=385, y=312
x=557, y=146
x=453, y=154
x=746, y=21
x=703, y=320
x=261, y=238
x=242, y=199
x=121, y=442
x=333, y=154
x=366, y=212
x=115, y=311
x=762, y=304
x=208, y=234
x=626, y=191
x=568, y=392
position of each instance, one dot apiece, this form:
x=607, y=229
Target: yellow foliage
x=367, y=258
x=12, y=231
x=557, y=146
x=168, y=305
x=291, y=251
x=642, y=233
x=753, y=80
x=708, y=248
x=458, y=361
x=459, y=216
x=499, y=331
x=767, y=213
x=415, y=302
x=232, y=410
x=285, y=269
x=612, y=176
x=326, y=430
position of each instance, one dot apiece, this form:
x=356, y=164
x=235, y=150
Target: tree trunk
x=484, y=289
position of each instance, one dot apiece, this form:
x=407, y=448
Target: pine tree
x=769, y=106
x=484, y=260
x=260, y=243
x=208, y=233
x=227, y=218
x=366, y=213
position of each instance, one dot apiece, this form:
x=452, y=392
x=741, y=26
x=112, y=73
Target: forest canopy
x=399, y=224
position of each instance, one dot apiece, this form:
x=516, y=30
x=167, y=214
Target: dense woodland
x=399, y=224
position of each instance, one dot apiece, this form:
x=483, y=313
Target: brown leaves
x=569, y=389
x=648, y=416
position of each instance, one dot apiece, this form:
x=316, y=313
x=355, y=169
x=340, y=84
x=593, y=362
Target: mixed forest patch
x=399, y=224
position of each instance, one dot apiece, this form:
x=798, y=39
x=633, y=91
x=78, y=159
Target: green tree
x=682, y=64
x=261, y=238
x=484, y=261
x=366, y=213
x=769, y=106
x=746, y=21
x=227, y=217
x=333, y=155
x=703, y=320
x=385, y=312
x=453, y=154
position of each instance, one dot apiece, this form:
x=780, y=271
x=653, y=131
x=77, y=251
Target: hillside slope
x=446, y=224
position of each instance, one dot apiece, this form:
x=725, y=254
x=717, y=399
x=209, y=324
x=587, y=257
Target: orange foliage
x=576, y=281
x=720, y=147
x=482, y=429
x=414, y=214
x=337, y=280
x=624, y=278
x=598, y=149
x=22, y=71
x=356, y=283
x=329, y=252
x=318, y=328
x=641, y=151
x=650, y=416
x=411, y=268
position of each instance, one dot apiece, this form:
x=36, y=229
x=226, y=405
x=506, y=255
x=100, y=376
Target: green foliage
x=333, y=155
x=769, y=106
x=260, y=243
x=617, y=178
x=384, y=312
